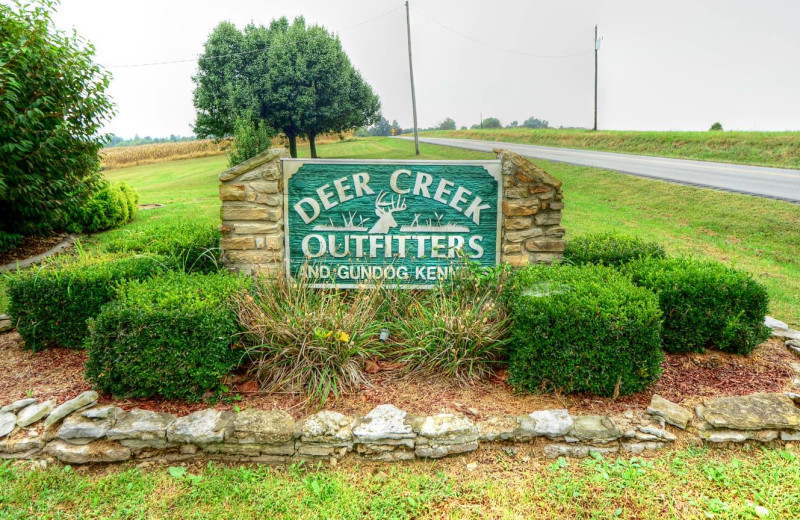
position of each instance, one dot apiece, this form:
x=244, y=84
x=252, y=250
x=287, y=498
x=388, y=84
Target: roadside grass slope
x=779, y=149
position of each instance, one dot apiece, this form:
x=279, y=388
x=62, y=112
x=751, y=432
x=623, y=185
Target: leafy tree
x=492, y=122
x=381, y=128
x=250, y=140
x=533, y=122
x=447, y=124
x=52, y=107
x=716, y=127
x=219, y=68
x=513, y=124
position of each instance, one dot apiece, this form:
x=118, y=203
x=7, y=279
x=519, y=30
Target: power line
x=218, y=56
x=496, y=47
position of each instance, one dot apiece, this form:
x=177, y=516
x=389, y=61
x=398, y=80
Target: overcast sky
x=671, y=65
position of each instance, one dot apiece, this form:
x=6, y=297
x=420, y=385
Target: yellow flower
x=342, y=336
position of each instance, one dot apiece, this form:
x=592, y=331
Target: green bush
x=50, y=305
x=705, y=304
x=115, y=204
x=610, y=249
x=9, y=241
x=582, y=328
x=173, y=336
x=249, y=140
x=194, y=247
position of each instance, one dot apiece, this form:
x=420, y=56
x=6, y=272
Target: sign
x=352, y=223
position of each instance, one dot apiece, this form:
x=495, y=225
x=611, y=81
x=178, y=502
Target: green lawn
x=781, y=149
x=747, y=483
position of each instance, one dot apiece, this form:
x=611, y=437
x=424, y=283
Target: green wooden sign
x=403, y=223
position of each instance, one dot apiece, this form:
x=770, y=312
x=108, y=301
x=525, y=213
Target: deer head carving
x=384, y=212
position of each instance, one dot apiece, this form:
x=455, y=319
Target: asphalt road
x=775, y=183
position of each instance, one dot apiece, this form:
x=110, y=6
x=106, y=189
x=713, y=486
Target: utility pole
x=596, y=47
x=481, y=123
x=411, y=73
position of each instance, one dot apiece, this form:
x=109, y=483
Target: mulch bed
x=31, y=246
x=687, y=379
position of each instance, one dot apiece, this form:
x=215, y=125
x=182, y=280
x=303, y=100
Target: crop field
x=780, y=149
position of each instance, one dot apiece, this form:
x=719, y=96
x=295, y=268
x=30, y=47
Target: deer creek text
x=402, y=182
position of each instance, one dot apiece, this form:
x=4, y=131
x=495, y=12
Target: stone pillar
x=252, y=215
x=532, y=204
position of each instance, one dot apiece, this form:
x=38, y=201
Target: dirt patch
x=31, y=246
x=687, y=379
x=150, y=206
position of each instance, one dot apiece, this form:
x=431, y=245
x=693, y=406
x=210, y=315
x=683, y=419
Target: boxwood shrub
x=582, y=328
x=172, y=336
x=195, y=247
x=115, y=204
x=611, y=249
x=50, y=305
x=705, y=304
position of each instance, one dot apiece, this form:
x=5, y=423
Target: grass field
x=694, y=483
x=781, y=149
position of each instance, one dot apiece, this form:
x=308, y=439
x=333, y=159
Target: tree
x=513, y=124
x=532, y=122
x=716, y=127
x=295, y=78
x=215, y=96
x=52, y=107
x=491, y=122
x=446, y=124
x=381, y=128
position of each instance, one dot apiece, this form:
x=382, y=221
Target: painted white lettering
x=302, y=212
x=374, y=245
x=442, y=189
x=475, y=244
x=474, y=210
x=360, y=245
x=325, y=197
x=321, y=246
x=454, y=244
x=361, y=181
x=421, y=184
x=393, y=181
x=437, y=243
x=342, y=189
x=459, y=198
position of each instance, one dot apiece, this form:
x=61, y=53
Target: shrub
x=705, y=304
x=9, y=241
x=194, y=247
x=173, y=336
x=115, y=204
x=716, y=127
x=582, y=328
x=50, y=305
x=610, y=249
x=460, y=334
x=250, y=140
x=307, y=340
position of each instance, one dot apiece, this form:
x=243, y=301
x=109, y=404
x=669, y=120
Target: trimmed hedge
x=172, y=336
x=610, y=249
x=50, y=305
x=115, y=204
x=194, y=247
x=705, y=304
x=582, y=329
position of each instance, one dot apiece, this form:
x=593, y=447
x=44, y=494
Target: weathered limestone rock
x=80, y=429
x=444, y=434
x=552, y=423
x=141, y=429
x=725, y=435
x=83, y=400
x=786, y=436
x=752, y=412
x=385, y=424
x=22, y=444
x=324, y=434
x=102, y=451
x=775, y=324
x=498, y=428
x=33, y=413
x=552, y=451
x=385, y=452
x=5, y=323
x=637, y=448
x=672, y=413
x=595, y=429
x=8, y=421
x=657, y=433
x=258, y=432
x=201, y=427
x=16, y=405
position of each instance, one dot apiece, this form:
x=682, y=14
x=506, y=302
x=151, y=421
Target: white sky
x=678, y=64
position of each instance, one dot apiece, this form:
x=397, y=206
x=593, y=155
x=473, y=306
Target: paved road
x=776, y=183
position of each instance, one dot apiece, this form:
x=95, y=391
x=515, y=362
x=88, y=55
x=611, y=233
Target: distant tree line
x=115, y=140
x=290, y=78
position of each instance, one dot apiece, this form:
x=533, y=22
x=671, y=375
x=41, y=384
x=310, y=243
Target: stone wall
x=81, y=431
x=252, y=214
